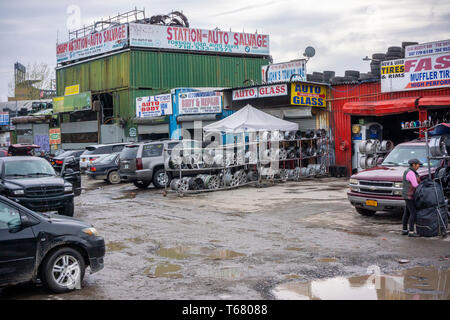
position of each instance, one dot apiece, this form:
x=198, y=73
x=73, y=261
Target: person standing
x=411, y=181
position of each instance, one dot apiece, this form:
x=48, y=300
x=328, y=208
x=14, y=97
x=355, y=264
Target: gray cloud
x=343, y=32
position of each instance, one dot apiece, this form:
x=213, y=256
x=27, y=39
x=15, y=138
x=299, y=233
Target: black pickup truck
x=33, y=183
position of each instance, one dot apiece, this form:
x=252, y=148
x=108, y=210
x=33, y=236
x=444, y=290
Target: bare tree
x=38, y=77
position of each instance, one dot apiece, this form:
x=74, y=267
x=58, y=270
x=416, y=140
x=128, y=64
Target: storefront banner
x=284, y=71
x=260, y=92
x=154, y=106
x=192, y=39
x=96, y=43
x=425, y=49
x=74, y=102
x=200, y=102
x=427, y=72
x=306, y=94
x=55, y=136
x=4, y=118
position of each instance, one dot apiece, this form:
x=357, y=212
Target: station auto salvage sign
x=154, y=106
x=192, y=39
x=419, y=70
x=96, y=43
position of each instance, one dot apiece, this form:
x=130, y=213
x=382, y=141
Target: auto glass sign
x=200, y=102
x=154, y=106
x=192, y=39
x=284, y=71
x=260, y=92
x=93, y=44
x=308, y=94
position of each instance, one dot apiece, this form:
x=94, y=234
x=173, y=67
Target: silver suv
x=143, y=163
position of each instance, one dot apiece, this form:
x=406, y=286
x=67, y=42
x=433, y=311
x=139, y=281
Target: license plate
x=126, y=166
x=371, y=203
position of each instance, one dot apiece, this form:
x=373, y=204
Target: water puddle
x=418, y=283
x=327, y=260
x=115, y=246
x=127, y=195
x=294, y=249
x=164, y=270
x=137, y=240
x=224, y=254
x=174, y=253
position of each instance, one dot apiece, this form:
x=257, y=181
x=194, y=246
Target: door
x=74, y=177
x=17, y=247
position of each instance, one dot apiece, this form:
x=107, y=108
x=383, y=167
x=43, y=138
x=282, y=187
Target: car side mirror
x=26, y=221
x=67, y=172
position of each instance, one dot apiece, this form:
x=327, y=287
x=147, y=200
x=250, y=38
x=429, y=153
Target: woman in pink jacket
x=411, y=181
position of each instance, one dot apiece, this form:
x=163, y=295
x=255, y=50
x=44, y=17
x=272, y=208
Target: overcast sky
x=342, y=32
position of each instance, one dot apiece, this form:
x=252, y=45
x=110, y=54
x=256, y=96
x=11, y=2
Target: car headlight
x=68, y=188
x=91, y=231
x=353, y=181
x=398, y=185
x=18, y=192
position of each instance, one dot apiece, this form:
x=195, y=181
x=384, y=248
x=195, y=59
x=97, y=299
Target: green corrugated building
x=115, y=78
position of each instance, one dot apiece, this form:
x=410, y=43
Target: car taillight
x=93, y=168
x=58, y=162
x=139, y=164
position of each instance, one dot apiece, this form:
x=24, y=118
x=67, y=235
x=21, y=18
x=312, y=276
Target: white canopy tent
x=250, y=119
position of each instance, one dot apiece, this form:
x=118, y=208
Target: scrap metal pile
x=275, y=156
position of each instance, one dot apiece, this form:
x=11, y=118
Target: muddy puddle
x=420, y=283
x=182, y=252
x=164, y=270
x=174, y=253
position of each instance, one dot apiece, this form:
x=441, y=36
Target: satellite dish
x=309, y=52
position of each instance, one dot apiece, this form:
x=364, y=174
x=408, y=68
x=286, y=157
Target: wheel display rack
x=249, y=163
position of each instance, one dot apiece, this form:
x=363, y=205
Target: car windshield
x=402, y=154
x=28, y=168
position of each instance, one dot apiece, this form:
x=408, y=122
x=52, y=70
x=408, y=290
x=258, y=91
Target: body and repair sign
x=284, y=71
x=308, y=94
x=192, y=39
x=200, y=102
x=426, y=66
x=154, y=106
x=96, y=43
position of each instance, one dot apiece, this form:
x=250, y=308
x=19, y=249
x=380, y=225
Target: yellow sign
x=72, y=90
x=308, y=94
x=393, y=69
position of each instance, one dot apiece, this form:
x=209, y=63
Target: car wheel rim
x=162, y=179
x=66, y=271
x=114, y=177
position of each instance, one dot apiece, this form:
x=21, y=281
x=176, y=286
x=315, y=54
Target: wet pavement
x=294, y=240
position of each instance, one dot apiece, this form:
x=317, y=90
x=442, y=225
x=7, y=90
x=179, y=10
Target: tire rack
x=257, y=165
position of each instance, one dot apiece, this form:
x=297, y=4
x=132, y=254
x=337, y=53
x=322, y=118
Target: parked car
x=380, y=188
x=20, y=149
x=106, y=169
x=32, y=182
x=58, y=161
x=143, y=163
x=98, y=151
x=55, y=249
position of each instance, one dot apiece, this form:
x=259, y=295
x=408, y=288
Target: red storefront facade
x=366, y=99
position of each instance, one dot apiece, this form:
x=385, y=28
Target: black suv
x=49, y=247
x=32, y=182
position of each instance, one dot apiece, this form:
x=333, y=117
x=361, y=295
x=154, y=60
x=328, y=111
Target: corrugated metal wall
x=106, y=74
x=167, y=70
x=341, y=123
